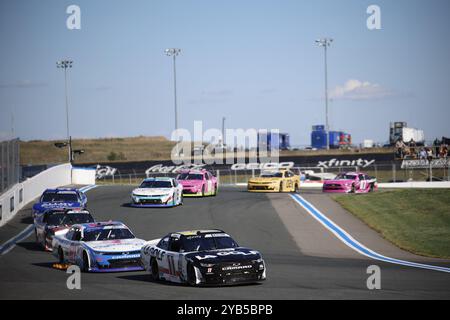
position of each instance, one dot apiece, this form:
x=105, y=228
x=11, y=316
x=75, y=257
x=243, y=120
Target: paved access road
x=304, y=260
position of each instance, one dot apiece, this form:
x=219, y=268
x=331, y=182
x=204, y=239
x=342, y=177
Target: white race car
x=99, y=247
x=158, y=192
x=202, y=257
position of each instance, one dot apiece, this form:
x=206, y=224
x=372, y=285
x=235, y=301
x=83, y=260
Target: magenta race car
x=198, y=183
x=350, y=182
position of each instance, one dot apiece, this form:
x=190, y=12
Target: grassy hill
x=130, y=149
x=97, y=150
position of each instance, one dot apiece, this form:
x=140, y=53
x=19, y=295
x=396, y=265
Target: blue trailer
x=337, y=139
x=273, y=141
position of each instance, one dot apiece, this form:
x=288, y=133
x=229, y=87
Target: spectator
x=430, y=155
x=443, y=151
x=436, y=147
x=400, y=146
x=412, y=148
x=423, y=154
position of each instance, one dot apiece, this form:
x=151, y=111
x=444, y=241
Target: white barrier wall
x=22, y=193
x=83, y=176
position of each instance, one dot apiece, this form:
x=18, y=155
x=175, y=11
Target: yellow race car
x=275, y=181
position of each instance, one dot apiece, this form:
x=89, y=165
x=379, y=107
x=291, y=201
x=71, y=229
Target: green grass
x=415, y=220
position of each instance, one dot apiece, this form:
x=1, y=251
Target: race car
x=202, y=257
x=198, y=183
x=158, y=192
x=56, y=222
x=282, y=180
x=350, y=182
x=60, y=198
x=99, y=247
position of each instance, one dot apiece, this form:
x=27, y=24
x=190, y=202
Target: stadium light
x=325, y=43
x=174, y=52
x=66, y=64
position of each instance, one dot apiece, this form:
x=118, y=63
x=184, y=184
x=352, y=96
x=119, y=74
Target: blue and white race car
x=60, y=198
x=57, y=221
x=158, y=192
x=99, y=247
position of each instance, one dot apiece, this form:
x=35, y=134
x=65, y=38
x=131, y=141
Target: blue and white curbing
x=348, y=240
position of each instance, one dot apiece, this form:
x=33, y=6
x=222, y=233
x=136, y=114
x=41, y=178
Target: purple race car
x=350, y=182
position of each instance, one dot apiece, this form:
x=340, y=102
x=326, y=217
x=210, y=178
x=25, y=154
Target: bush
x=112, y=156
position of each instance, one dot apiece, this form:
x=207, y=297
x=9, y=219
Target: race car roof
x=195, y=171
x=197, y=232
x=102, y=225
x=159, y=179
x=61, y=190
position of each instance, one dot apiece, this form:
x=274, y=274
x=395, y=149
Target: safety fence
x=385, y=173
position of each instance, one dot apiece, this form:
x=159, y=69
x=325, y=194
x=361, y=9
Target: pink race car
x=350, y=182
x=198, y=183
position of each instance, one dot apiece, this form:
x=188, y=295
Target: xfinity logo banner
x=363, y=163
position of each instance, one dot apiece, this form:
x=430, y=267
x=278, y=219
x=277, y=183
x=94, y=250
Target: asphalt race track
x=304, y=260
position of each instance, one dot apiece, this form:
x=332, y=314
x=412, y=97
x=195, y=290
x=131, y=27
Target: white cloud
x=361, y=90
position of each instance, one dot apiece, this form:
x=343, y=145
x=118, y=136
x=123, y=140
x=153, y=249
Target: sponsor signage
x=425, y=164
x=363, y=163
x=262, y=166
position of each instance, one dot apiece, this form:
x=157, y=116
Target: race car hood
x=192, y=183
x=58, y=230
x=56, y=205
x=347, y=181
x=227, y=255
x=152, y=191
x=263, y=180
x=116, y=245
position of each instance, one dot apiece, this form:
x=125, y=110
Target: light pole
x=325, y=43
x=223, y=131
x=65, y=64
x=174, y=52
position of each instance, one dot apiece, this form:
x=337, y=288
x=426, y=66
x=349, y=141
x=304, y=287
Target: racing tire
x=154, y=269
x=371, y=189
x=281, y=187
x=60, y=255
x=215, y=191
x=353, y=189
x=85, y=263
x=203, y=191
x=296, y=188
x=191, y=275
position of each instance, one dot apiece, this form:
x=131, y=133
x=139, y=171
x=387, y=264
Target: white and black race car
x=202, y=257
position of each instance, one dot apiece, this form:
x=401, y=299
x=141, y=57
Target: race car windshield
x=59, y=197
x=200, y=243
x=59, y=219
x=190, y=176
x=344, y=176
x=156, y=184
x=107, y=234
x=272, y=175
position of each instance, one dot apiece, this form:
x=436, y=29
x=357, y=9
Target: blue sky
x=254, y=62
